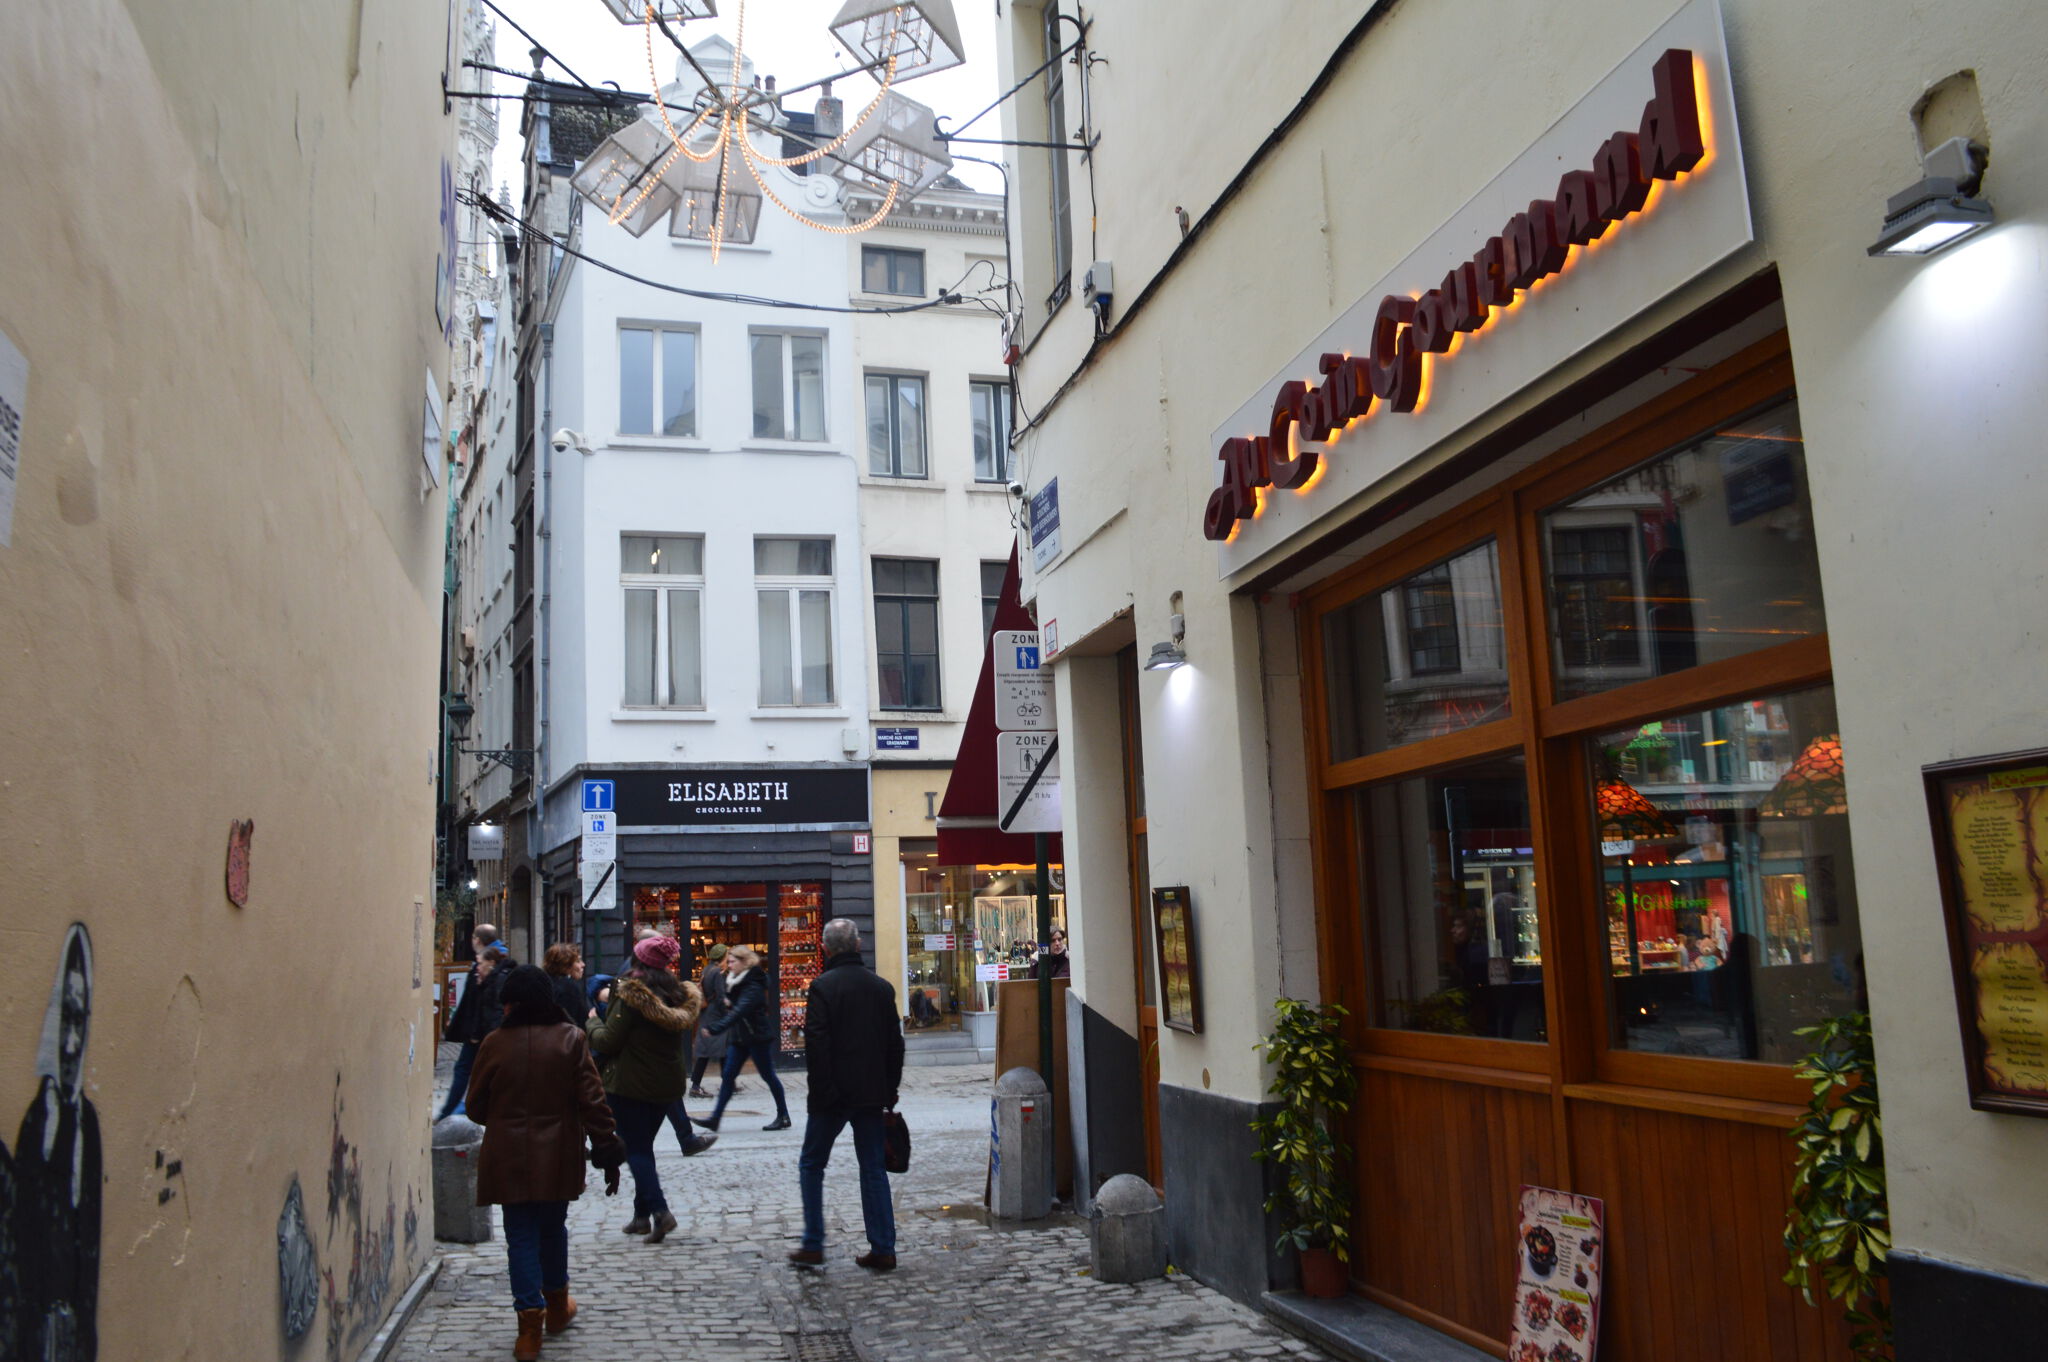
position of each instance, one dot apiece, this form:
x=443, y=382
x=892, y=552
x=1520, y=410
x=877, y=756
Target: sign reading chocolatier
x=1634, y=191
x=713, y=796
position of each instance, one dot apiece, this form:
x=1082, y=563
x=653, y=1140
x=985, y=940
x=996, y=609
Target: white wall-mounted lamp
x=1168, y=655
x=1942, y=208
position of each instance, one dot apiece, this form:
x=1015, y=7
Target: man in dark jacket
x=479, y=1012
x=853, y=1047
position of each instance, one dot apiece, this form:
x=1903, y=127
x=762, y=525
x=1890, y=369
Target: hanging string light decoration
x=691, y=174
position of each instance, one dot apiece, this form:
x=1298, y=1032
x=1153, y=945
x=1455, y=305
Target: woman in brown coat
x=536, y=1092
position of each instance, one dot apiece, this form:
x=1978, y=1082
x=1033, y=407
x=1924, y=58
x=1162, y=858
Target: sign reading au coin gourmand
x=1655, y=182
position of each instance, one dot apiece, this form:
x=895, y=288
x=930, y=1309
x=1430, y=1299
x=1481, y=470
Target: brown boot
x=561, y=1309
x=527, y=1348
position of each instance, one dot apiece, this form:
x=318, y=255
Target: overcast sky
x=787, y=39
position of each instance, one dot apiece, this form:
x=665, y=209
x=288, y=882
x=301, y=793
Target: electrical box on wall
x=1098, y=284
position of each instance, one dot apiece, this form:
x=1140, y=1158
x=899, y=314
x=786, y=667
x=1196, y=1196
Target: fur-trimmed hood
x=680, y=1017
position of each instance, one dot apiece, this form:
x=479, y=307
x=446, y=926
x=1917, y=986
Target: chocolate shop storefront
x=1552, y=679
x=756, y=856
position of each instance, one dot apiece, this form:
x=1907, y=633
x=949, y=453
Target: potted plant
x=1838, y=1227
x=1314, y=1081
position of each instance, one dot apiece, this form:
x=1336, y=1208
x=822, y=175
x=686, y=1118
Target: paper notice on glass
x=13, y=403
x=938, y=941
x=991, y=974
x=1558, y=1255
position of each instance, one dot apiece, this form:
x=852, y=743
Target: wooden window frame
x=1579, y=1061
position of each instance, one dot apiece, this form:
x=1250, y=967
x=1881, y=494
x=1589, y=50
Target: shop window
x=990, y=406
x=1446, y=863
x=1419, y=659
x=663, y=580
x=907, y=632
x=1701, y=554
x=896, y=426
x=884, y=269
x=1730, y=908
x=793, y=589
x=789, y=385
x=657, y=381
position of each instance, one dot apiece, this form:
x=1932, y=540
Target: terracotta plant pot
x=1321, y=1274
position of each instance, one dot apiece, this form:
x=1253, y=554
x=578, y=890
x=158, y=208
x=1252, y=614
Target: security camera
x=1017, y=490
x=564, y=441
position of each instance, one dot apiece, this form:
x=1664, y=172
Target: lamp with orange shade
x=1813, y=785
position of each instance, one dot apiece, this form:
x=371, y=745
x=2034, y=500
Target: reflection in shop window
x=1447, y=871
x=1423, y=658
x=1730, y=907
x=1701, y=554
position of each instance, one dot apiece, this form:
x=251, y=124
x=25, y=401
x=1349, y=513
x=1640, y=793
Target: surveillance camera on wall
x=1017, y=490
x=564, y=439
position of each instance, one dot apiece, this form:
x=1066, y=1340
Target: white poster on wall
x=13, y=404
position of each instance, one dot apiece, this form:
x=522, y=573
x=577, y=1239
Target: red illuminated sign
x=1530, y=247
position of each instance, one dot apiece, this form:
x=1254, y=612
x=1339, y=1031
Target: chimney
x=830, y=114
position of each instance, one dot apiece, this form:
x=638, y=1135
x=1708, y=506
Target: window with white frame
x=993, y=570
x=885, y=269
x=896, y=426
x=989, y=404
x=789, y=385
x=793, y=586
x=907, y=632
x=657, y=380
x=662, y=576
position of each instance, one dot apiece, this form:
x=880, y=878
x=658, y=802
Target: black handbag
x=895, y=1142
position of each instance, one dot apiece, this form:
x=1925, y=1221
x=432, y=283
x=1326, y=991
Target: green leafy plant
x=1448, y=1012
x=1313, y=1078
x=1838, y=1227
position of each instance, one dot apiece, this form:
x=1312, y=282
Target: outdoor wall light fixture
x=1942, y=208
x=459, y=712
x=1168, y=655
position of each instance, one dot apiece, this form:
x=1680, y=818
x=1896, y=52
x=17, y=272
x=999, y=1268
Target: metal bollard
x=457, y=1217
x=1020, y=1148
x=1127, y=1237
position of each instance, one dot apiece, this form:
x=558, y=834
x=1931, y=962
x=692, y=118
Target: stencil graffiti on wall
x=298, y=1270
x=50, y=1187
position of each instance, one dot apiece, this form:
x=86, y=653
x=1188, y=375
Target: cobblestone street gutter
x=719, y=1289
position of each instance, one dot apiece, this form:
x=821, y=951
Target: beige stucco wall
x=217, y=253
x=1919, y=388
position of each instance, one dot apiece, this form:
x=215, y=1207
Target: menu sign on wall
x=1991, y=838
x=1180, y=987
x=1559, y=1252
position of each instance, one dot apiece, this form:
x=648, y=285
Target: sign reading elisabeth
x=715, y=796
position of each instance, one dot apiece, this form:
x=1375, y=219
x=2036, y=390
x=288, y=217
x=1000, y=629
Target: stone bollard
x=1127, y=1237
x=1019, y=1148
x=457, y=1217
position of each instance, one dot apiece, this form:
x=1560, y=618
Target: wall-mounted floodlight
x=1942, y=208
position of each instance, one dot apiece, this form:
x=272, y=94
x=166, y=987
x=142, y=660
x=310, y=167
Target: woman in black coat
x=564, y=964
x=750, y=1025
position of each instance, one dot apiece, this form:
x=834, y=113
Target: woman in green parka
x=639, y=1044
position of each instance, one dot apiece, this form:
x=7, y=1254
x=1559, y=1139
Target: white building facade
x=1550, y=496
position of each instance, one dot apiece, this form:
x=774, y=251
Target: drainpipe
x=544, y=527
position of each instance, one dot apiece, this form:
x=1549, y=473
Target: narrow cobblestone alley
x=720, y=1290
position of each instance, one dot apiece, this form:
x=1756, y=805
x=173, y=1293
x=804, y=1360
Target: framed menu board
x=1991, y=842
x=1180, y=984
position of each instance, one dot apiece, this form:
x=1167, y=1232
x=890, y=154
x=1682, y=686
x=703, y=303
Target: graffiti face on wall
x=50, y=1187
x=298, y=1273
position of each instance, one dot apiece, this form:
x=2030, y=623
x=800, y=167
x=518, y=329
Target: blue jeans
x=680, y=1120
x=537, y=1250
x=736, y=1056
x=639, y=1122
x=458, y=1082
x=820, y=1131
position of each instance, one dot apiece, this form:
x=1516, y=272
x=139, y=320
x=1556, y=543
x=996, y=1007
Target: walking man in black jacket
x=853, y=1046
x=479, y=1012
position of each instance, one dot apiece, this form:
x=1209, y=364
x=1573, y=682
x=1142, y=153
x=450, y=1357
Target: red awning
x=968, y=834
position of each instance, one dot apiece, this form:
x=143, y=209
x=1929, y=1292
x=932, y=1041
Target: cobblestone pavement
x=719, y=1289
